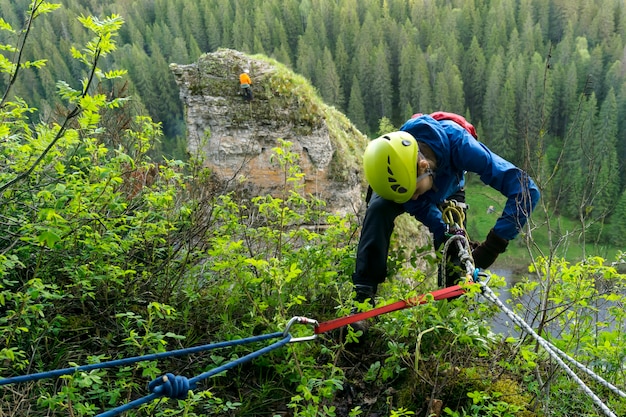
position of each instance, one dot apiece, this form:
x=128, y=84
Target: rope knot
x=171, y=386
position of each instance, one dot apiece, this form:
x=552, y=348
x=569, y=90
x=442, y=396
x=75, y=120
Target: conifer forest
x=535, y=76
x=117, y=243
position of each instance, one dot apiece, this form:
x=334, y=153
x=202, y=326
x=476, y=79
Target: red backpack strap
x=458, y=119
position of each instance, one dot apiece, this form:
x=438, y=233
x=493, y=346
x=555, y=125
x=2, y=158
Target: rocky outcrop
x=236, y=138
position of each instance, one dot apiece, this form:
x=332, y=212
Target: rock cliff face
x=236, y=138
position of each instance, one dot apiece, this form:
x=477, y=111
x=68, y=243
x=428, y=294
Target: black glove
x=487, y=252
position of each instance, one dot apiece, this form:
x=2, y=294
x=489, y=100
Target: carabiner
x=301, y=320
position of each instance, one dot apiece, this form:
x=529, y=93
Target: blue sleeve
x=516, y=185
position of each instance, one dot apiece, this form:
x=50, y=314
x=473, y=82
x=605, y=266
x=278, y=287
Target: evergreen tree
x=618, y=222
x=257, y=46
x=329, y=82
x=279, y=37
x=381, y=91
x=292, y=24
x=194, y=27
x=178, y=53
x=534, y=108
x=262, y=33
x=305, y=65
x=356, y=109
x=342, y=65
x=493, y=126
x=193, y=50
x=621, y=135
x=213, y=31
x=406, y=93
x=362, y=68
x=577, y=179
x=499, y=22
x=507, y=116
x=172, y=18
x=423, y=99
x=449, y=90
x=243, y=34
x=348, y=21
x=226, y=15
x=282, y=55
x=473, y=69
x=605, y=140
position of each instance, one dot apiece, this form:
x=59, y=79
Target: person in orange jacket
x=245, y=82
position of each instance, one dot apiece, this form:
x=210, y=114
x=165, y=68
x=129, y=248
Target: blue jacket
x=457, y=151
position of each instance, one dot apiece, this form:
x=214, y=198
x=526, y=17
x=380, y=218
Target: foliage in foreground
x=107, y=255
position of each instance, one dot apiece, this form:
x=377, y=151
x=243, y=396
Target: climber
x=416, y=170
x=246, y=84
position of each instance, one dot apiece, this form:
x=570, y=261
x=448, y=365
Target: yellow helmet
x=390, y=165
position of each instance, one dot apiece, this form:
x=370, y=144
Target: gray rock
x=236, y=138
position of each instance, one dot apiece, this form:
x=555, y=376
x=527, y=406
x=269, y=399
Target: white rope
x=554, y=352
x=465, y=256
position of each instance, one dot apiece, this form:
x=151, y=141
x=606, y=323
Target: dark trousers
x=247, y=93
x=371, y=256
x=373, y=248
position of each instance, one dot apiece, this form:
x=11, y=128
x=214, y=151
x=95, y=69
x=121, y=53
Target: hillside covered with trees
x=543, y=80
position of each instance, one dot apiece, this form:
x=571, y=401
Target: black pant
x=247, y=93
x=373, y=249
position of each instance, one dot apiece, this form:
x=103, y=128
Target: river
x=502, y=323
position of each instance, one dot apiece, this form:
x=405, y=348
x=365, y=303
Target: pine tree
x=226, y=15
x=381, y=91
x=243, y=35
x=342, y=64
x=193, y=28
x=618, y=222
x=406, y=94
x=492, y=124
x=362, y=65
x=279, y=37
x=608, y=185
x=329, y=82
x=423, y=100
x=292, y=24
x=578, y=182
x=449, y=90
x=499, y=22
x=473, y=70
x=507, y=116
x=213, y=31
x=535, y=108
x=305, y=65
x=262, y=33
x=281, y=55
x=356, y=109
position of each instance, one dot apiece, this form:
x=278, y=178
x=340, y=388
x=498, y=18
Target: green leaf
x=45, y=7
x=48, y=238
x=4, y=25
x=40, y=63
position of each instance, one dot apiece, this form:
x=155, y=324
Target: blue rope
x=177, y=387
x=126, y=361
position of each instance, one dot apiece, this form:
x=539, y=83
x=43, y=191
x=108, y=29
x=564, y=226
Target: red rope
x=441, y=294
